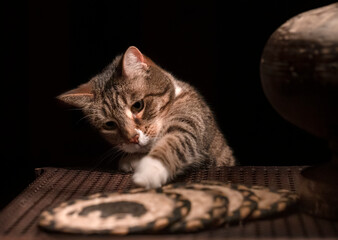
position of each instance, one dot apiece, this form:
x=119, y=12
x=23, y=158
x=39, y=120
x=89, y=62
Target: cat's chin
x=134, y=148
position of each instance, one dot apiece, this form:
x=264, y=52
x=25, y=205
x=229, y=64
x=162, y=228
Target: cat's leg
x=168, y=157
x=150, y=173
x=221, y=152
x=129, y=162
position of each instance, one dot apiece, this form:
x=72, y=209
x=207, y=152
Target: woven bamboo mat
x=54, y=185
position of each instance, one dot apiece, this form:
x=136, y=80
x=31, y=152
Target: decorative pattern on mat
x=272, y=201
x=242, y=201
x=180, y=207
x=116, y=213
x=208, y=208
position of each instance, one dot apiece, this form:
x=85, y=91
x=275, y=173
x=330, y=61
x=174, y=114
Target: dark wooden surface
x=53, y=185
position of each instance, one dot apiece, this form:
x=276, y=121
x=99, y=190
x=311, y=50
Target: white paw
x=150, y=173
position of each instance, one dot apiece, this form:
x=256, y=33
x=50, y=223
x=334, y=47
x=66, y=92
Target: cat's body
x=163, y=124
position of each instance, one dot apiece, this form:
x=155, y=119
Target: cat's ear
x=78, y=97
x=134, y=63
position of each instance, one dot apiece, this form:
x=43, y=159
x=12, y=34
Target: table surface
x=19, y=219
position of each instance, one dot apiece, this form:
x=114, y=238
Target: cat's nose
x=134, y=139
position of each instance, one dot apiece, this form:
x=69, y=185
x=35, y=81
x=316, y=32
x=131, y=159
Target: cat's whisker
x=96, y=164
x=111, y=155
x=110, y=161
x=107, y=155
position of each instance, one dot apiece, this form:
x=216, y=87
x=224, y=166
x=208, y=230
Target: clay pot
x=299, y=75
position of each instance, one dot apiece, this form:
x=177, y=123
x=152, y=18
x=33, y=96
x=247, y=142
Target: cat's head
x=126, y=102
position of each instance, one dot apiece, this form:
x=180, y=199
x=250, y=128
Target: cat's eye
x=137, y=106
x=110, y=125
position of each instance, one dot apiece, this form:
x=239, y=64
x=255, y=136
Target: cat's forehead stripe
x=105, y=110
x=124, y=99
x=115, y=97
x=159, y=94
x=113, y=100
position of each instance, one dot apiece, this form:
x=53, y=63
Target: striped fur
x=175, y=126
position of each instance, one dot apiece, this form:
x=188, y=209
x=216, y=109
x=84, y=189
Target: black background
x=49, y=47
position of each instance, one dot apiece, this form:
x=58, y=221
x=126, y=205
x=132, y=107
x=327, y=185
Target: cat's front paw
x=150, y=173
x=125, y=166
x=130, y=162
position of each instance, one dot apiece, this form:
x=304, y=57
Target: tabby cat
x=163, y=124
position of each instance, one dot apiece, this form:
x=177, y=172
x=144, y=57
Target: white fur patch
x=178, y=89
x=143, y=139
x=150, y=173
